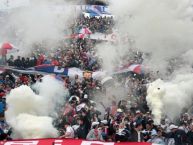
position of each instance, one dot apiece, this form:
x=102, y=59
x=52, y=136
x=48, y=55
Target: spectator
x=69, y=132
x=18, y=62
x=190, y=135
x=178, y=135
x=95, y=133
x=157, y=138
x=136, y=134
x=104, y=129
x=122, y=133
x=10, y=61
x=147, y=133
x=82, y=130
x=27, y=63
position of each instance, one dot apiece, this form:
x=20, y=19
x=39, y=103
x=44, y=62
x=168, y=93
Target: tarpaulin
x=66, y=142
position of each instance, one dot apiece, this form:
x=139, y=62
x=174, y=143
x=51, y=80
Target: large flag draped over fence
x=72, y=72
x=66, y=142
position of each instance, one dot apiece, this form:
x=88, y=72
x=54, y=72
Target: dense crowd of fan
x=127, y=119
x=77, y=54
x=100, y=25
x=123, y=120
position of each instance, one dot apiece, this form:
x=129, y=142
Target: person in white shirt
x=69, y=133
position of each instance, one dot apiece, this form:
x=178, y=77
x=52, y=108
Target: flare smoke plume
x=30, y=114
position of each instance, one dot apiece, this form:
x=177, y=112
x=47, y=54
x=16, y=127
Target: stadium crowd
x=101, y=25
x=77, y=54
x=124, y=120
x=127, y=119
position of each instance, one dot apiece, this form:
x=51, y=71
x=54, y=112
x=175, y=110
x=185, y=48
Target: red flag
x=7, y=45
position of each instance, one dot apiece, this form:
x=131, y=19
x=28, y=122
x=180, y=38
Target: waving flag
x=7, y=47
x=136, y=68
x=84, y=32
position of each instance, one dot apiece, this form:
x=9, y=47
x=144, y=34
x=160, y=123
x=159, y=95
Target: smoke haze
x=41, y=22
x=163, y=29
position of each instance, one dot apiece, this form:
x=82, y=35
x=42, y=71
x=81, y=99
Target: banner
x=72, y=72
x=66, y=142
x=101, y=36
x=96, y=8
x=52, y=69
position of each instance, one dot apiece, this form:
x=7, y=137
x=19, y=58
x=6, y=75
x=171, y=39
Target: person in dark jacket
x=10, y=61
x=136, y=134
x=33, y=61
x=148, y=131
x=190, y=135
x=86, y=120
x=3, y=136
x=23, y=64
x=178, y=135
x=27, y=63
x=82, y=130
x=18, y=62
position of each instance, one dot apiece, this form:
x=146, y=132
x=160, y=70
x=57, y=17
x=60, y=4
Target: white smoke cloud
x=170, y=97
x=154, y=99
x=30, y=115
x=39, y=22
x=188, y=57
x=28, y=126
x=53, y=93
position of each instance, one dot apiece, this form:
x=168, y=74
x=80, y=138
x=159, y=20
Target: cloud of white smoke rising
x=40, y=22
x=53, y=91
x=170, y=97
x=156, y=91
x=29, y=114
